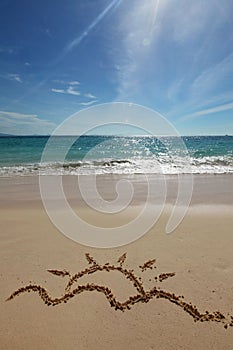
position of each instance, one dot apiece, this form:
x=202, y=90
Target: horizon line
x=115, y=135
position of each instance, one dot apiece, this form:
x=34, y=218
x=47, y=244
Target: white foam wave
x=161, y=165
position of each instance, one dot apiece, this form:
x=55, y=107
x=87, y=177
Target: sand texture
x=159, y=292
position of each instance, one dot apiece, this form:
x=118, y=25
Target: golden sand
x=163, y=283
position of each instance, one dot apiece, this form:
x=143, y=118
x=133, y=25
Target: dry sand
x=199, y=252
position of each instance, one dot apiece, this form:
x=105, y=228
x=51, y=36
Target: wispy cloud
x=75, y=82
x=156, y=30
x=59, y=91
x=90, y=96
x=8, y=50
x=15, y=115
x=19, y=123
x=210, y=87
x=76, y=41
x=69, y=91
x=203, y=112
x=89, y=103
x=210, y=79
x=190, y=19
x=139, y=25
x=66, y=82
x=15, y=77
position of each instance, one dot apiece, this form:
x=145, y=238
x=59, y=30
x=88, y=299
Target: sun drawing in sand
x=141, y=296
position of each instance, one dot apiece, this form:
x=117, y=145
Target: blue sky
x=174, y=56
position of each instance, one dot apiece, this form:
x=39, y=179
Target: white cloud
x=209, y=88
x=203, y=112
x=210, y=79
x=90, y=96
x=64, y=82
x=70, y=91
x=140, y=25
x=76, y=41
x=151, y=28
x=19, y=123
x=189, y=19
x=89, y=103
x=199, y=18
x=16, y=115
x=75, y=82
x=15, y=77
x=59, y=91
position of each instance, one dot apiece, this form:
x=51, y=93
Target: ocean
x=21, y=155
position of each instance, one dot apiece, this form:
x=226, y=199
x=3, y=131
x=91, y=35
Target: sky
x=172, y=56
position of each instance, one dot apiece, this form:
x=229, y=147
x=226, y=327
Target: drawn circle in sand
x=109, y=119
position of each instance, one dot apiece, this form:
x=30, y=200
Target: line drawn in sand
x=142, y=296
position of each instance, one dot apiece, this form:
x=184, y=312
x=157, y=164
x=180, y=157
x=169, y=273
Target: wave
x=160, y=165
x=104, y=163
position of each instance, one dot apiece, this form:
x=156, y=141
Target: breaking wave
x=159, y=165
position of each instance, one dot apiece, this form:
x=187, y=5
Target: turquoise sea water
x=21, y=155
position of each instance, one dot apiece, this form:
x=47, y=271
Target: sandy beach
x=195, y=262
x=116, y=175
